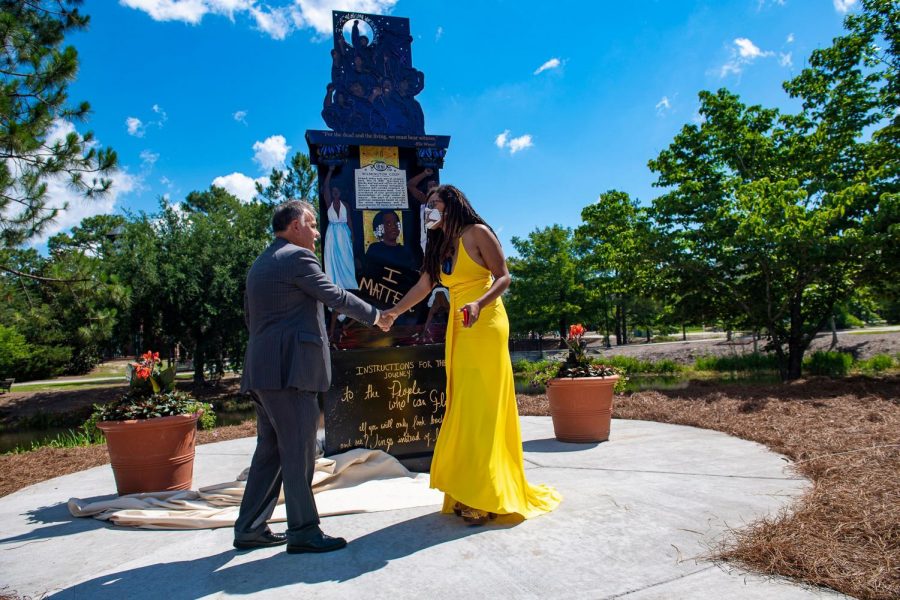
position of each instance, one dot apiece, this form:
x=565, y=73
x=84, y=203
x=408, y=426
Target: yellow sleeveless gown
x=478, y=454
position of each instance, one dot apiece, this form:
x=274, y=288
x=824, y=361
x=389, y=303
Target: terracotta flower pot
x=581, y=408
x=152, y=455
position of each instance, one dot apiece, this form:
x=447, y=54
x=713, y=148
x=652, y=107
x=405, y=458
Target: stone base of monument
x=389, y=399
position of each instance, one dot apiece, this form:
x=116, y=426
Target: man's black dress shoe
x=266, y=540
x=318, y=543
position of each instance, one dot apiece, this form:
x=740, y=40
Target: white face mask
x=432, y=218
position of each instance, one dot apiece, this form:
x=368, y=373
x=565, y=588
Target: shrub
x=631, y=366
x=829, y=364
x=528, y=368
x=14, y=350
x=755, y=361
x=521, y=365
x=876, y=364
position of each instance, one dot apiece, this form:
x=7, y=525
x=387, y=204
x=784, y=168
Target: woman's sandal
x=473, y=516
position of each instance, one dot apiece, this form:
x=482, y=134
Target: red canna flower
x=576, y=331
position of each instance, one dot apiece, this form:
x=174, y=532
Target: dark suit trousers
x=285, y=452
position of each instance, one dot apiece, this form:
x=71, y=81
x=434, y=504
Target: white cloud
x=189, y=11
x=278, y=22
x=513, y=144
x=138, y=128
x=163, y=117
x=135, y=127
x=271, y=153
x=240, y=185
x=790, y=39
x=785, y=59
x=844, y=6
x=743, y=53
x=74, y=207
x=553, y=63
x=317, y=13
x=149, y=158
x=240, y=116
x=520, y=143
x=749, y=50
x=439, y=34
x=165, y=181
x=663, y=105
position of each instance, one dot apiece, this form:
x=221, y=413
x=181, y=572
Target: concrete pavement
x=639, y=513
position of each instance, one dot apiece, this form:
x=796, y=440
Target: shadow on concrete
x=60, y=521
x=182, y=580
x=554, y=445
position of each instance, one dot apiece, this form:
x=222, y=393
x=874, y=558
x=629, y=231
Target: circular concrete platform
x=639, y=513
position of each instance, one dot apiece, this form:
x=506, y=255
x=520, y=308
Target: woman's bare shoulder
x=482, y=234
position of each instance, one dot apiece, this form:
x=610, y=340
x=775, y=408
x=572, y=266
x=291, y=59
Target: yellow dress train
x=478, y=457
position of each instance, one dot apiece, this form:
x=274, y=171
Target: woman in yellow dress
x=478, y=461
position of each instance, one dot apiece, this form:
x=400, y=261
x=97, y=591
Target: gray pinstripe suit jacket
x=288, y=346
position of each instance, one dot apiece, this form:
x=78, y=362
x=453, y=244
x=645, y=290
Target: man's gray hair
x=289, y=211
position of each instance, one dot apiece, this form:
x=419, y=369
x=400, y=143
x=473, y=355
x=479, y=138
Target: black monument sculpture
x=375, y=166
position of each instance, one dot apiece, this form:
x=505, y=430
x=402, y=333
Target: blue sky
x=580, y=94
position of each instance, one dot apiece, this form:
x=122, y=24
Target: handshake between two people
x=470, y=313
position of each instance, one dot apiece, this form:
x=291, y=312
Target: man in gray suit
x=287, y=363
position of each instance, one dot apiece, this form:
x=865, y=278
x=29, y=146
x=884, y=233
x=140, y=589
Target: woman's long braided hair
x=442, y=241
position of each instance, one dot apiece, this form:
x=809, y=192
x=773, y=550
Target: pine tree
x=35, y=72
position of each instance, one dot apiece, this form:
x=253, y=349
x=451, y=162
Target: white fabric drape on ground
x=360, y=480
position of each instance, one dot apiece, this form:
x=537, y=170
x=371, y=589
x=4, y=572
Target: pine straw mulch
x=844, y=533
x=844, y=436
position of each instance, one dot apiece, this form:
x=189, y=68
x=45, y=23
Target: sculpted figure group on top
x=373, y=85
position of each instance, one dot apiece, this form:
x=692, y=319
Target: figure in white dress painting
x=338, y=249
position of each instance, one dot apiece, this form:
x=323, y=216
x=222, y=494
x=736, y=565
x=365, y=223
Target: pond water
x=11, y=439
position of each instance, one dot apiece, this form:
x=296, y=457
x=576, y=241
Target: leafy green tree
x=298, y=181
x=86, y=307
x=785, y=215
x=547, y=289
x=616, y=243
x=35, y=72
x=27, y=313
x=186, y=268
x=69, y=304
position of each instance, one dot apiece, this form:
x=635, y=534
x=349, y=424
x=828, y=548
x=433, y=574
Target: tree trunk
x=649, y=334
x=834, y=338
x=618, y=321
x=624, y=327
x=683, y=333
x=795, y=340
x=199, y=363
x=562, y=333
x=795, y=361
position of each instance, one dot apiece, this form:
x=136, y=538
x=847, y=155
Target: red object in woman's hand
x=465, y=312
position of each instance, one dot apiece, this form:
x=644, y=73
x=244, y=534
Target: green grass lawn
x=66, y=385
